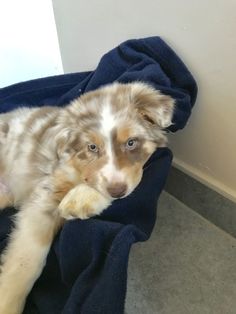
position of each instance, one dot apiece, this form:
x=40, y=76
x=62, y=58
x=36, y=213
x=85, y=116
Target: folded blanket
x=86, y=270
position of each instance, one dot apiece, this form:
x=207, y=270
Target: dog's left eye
x=131, y=143
x=93, y=148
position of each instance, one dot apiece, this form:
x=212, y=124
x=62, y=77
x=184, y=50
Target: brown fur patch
x=91, y=169
x=126, y=158
x=96, y=139
x=62, y=185
x=82, y=155
x=121, y=135
x=4, y=128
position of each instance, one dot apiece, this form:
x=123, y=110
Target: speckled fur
x=48, y=173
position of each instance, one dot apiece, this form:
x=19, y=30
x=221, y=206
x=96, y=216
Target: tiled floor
x=187, y=267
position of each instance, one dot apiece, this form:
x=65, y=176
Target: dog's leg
x=25, y=256
x=83, y=202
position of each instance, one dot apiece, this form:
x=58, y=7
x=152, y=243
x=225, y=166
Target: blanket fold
x=86, y=270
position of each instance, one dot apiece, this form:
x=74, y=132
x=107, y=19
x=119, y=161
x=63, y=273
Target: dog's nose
x=117, y=190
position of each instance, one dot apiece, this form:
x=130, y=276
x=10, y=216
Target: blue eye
x=131, y=143
x=93, y=148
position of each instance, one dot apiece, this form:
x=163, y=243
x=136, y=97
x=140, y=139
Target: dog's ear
x=152, y=106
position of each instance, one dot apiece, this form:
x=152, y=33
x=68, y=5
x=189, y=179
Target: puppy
x=71, y=162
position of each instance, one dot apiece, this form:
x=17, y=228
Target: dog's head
x=110, y=133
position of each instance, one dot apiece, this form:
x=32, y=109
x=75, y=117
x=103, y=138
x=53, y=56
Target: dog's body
x=62, y=163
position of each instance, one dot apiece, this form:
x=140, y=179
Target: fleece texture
x=86, y=270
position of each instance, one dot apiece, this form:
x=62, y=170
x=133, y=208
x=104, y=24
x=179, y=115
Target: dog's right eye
x=93, y=148
x=131, y=144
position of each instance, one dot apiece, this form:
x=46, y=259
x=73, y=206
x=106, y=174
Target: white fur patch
x=17, y=123
x=164, y=116
x=108, y=123
x=108, y=120
x=111, y=173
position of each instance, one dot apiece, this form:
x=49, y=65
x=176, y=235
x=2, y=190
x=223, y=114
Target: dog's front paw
x=82, y=202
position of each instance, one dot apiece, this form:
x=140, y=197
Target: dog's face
x=112, y=132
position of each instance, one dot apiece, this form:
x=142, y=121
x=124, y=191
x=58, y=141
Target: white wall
x=203, y=33
x=28, y=41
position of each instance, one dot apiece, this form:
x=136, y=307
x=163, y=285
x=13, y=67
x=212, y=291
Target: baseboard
x=192, y=190
x=205, y=179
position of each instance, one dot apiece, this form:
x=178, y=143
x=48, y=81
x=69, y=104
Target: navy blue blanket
x=86, y=269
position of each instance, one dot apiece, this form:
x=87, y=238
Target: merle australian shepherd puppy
x=71, y=162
